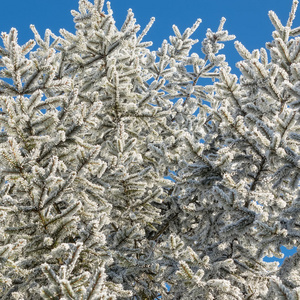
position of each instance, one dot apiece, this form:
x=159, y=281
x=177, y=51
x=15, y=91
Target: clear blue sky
x=247, y=19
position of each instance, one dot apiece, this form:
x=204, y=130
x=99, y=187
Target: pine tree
x=93, y=125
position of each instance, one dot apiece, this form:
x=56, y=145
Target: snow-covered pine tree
x=94, y=122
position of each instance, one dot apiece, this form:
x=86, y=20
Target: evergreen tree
x=92, y=125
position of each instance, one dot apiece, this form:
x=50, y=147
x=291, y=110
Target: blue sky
x=247, y=19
